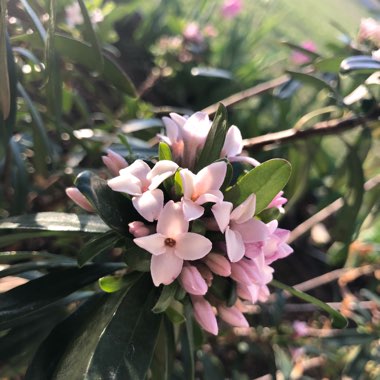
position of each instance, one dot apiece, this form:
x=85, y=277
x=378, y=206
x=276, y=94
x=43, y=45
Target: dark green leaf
x=215, y=139
x=17, y=237
x=175, y=314
x=55, y=221
x=10, y=257
x=5, y=96
x=266, y=180
x=360, y=64
x=82, y=53
x=35, y=21
x=225, y=289
x=137, y=258
x=339, y=321
x=115, y=209
x=90, y=36
x=313, y=80
x=187, y=347
x=132, y=333
x=96, y=246
x=37, y=294
x=328, y=65
x=111, y=284
x=167, y=296
x=309, y=53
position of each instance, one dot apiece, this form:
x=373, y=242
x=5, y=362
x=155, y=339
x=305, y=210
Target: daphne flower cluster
x=195, y=235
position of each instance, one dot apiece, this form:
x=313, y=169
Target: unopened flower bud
x=192, y=281
x=233, y=316
x=114, y=162
x=218, y=264
x=77, y=197
x=204, y=314
x=139, y=229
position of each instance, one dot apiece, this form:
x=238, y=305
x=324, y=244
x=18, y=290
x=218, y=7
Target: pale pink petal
x=233, y=144
x=171, y=221
x=264, y=293
x=196, y=128
x=252, y=231
x=154, y=244
x=165, y=268
x=214, y=196
x=245, y=211
x=171, y=129
x=204, y=314
x=178, y=119
x=235, y=245
x=245, y=160
x=248, y=292
x=272, y=226
x=252, y=250
x=114, y=162
x=162, y=170
x=77, y=197
x=188, y=181
x=233, y=316
x=140, y=229
x=239, y=274
x=111, y=166
x=126, y=183
x=192, y=281
x=139, y=169
x=191, y=210
x=192, y=246
x=222, y=212
x=210, y=178
x=263, y=273
x=149, y=204
x=218, y=264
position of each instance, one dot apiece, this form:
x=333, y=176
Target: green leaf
x=96, y=246
x=132, y=333
x=224, y=288
x=175, y=314
x=187, y=347
x=90, y=36
x=312, y=80
x=339, y=321
x=301, y=49
x=359, y=64
x=115, y=209
x=5, y=96
x=328, y=65
x=137, y=258
x=33, y=296
x=55, y=221
x=111, y=284
x=167, y=296
x=35, y=21
x=164, y=152
x=215, y=139
x=82, y=53
x=266, y=180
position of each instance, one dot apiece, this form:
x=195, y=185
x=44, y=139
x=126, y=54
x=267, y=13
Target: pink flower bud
x=233, y=316
x=278, y=201
x=231, y=8
x=139, y=229
x=218, y=264
x=239, y=274
x=192, y=281
x=301, y=328
x=204, y=314
x=77, y=197
x=114, y=162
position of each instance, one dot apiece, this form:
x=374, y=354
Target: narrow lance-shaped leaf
x=266, y=180
x=215, y=139
x=4, y=78
x=339, y=321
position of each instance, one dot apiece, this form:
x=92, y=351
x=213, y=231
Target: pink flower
x=192, y=33
x=192, y=281
x=233, y=146
x=369, y=30
x=186, y=136
x=202, y=188
x=139, y=229
x=300, y=58
x=142, y=182
x=278, y=201
x=252, y=271
x=73, y=15
x=301, y=328
x=114, y=162
x=239, y=226
x=77, y=197
x=204, y=314
x=172, y=244
x=231, y=8
x=218, y=264
x=233, y=316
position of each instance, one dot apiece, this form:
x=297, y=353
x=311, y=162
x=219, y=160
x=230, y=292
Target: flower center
x=170, y=242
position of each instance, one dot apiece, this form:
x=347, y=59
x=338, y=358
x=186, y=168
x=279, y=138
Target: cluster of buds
x=196, y=237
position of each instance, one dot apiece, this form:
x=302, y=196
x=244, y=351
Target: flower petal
x=154, y=244
x=149, y=204
x=178, y=119
x=76, y=196
x=139, y=169
x=171, y=221
x=245, y=211
x=126, y=183
x=233, y=316
x=245, y=160
x=192, y=246
x=235, y=245
x=191, y=210
x=172, y=131
x=210, y=178
x=222, y=212
x=252, y=231
x=165, y=268
x=204, y=314
x=188, y=181
x=233, y=144
x=214, y=196
x=162, y=170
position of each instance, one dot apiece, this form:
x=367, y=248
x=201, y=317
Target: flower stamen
x=170, y=242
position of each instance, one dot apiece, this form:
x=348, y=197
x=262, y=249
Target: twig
x=248, y=93
x=320, y=129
